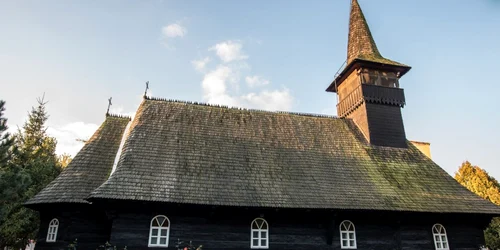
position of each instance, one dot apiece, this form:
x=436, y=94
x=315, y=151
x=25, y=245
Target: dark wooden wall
x=229, y=228
x=91, y=227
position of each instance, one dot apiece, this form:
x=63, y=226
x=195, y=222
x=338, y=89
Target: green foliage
x=180, y=245
x=109, y=246
x=5, y=138
x=481, y=183
x=31, y=166
x=73, y=245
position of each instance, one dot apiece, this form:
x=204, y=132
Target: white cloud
x=222, y=84
x=214, y=86
x=229, y=51
x=270, y=100
x=201, y=64
x=216, y=90
x=174, y=30
x=70, y=136
x=255, y=81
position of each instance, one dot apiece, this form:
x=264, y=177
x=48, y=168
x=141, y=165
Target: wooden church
x=230, y=178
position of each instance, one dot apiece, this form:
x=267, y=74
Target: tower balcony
x=371, y=94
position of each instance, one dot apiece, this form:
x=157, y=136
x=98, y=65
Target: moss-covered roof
x=361, y=44
x=198, y=154
x=90, y=167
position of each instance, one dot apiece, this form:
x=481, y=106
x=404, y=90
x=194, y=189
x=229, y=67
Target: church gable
x=90, y=167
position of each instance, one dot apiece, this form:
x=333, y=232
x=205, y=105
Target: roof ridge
x=237, y=108
x=119, y=116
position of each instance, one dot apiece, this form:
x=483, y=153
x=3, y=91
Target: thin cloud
x=174, y=30
x=229, y=51
x=201, y=64
x=256, y=81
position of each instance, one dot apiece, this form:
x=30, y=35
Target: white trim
x=259, y=232
x=52, y=231
x=160, y=229
x=347, y=231
x=439, y=232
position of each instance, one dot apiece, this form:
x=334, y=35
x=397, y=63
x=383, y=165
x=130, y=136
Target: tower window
x=440, y=238
x=347, y=235
x=159, y=231
x=52, y=232
x=259, y=234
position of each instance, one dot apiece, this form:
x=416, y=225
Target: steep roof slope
x=361, y=44
x=198, y=154
x=90, y=167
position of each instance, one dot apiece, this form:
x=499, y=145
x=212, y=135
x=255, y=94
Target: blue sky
x=275, y=55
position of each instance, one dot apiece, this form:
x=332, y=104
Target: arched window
x=440, y=238
x=347, y=235
x=259, y=234
x=159, y=231
x=52, y=232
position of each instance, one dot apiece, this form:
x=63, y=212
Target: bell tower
x=368, y=87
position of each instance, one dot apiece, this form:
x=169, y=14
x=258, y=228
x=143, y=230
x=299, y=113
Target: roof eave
x=358, y=63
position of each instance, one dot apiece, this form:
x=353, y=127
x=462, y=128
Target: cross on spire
x=147, y=87
x=109, y=105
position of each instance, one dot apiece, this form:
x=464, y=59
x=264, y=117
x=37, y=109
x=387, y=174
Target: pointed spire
x=361, y=44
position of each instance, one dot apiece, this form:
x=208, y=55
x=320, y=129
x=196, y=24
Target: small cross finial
x=147, y=87
x=109, y=105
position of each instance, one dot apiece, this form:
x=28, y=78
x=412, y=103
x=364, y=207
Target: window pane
x=436, y=238
x=445, y=245
x=351, y=235
x=351, y=243
x=438, y=244
x=255, y=242
x=163, y=241
x=254, y=225
x=255, y=234
x=263, y=243
x=344, y=235
x=263, y=234
x=344, y=243
x=264, y=225
x=155, y=222
x=154, y=240
x=160, y=220
x=154, y=232
x=443, y=238
x=163, y=232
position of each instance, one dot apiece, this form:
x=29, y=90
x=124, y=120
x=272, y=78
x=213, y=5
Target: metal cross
x=147, y=87
x=109, y=105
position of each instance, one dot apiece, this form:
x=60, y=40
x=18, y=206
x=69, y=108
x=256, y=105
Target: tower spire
x=361, y=44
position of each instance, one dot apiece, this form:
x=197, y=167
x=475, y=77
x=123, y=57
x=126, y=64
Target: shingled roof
x=198, y=154
x=90, y=167
x=361, y=45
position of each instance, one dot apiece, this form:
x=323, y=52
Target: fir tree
x=5, y=138
x=33, y=165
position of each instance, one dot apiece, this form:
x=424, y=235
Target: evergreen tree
x=5, y=138
x=32, y=166
x=481, y=183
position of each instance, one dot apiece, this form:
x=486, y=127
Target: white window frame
x=259, y=232
x=52, y=231
x=439, y=237
x=159, y=229
x=346, y=229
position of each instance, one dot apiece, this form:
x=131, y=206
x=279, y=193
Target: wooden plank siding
x=229, y=228
x=91, y=228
